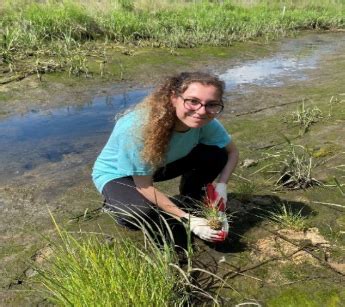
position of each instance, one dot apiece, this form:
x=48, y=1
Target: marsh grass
x=90, y=269
x=40, y=27
x=305, y=117
x=294, y=165
x=86, y=269
x=286, y=217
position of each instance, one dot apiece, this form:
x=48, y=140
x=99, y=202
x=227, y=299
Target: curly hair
x=162, y=117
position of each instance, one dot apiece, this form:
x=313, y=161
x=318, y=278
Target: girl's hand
x=199, y=226
x=225, y=227
x=221, y=189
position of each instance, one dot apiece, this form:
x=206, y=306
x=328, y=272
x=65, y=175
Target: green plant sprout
x=286, y=217
x=339, y=186
x=85, y=270
x=305, y=117
x=295, y=166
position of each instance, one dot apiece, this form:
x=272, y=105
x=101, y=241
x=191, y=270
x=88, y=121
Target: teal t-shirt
x=121, y=156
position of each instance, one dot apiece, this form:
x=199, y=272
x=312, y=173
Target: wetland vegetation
x=287, y=231
x=80, y=37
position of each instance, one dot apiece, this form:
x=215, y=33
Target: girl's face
x=187, y=103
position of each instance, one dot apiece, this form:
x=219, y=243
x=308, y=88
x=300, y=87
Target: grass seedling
x=286, y=217
x=295, y=166
x=305, y=117
x=339, y=186
x=334, y=101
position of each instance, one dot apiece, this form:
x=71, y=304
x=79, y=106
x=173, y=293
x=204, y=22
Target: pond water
x=38, y=137
x=293, y=61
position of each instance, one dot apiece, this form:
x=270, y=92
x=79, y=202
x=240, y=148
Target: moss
x=341, y=221
x=308, y=296
x=4, y=96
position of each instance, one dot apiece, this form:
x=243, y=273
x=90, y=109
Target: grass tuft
x=86, y=271
x=286, y=217
x=305, y=117
x=89, y=269
x=295, y=166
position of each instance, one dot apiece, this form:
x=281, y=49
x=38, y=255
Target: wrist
x=222, y=184
x=185, y=218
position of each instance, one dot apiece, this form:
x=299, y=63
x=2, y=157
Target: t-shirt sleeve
x=214, y=133
x=129, y=160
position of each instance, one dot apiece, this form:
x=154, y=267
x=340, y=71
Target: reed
x=167, y=23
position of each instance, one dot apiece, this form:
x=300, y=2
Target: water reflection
x=294, y=60
x=38, y=137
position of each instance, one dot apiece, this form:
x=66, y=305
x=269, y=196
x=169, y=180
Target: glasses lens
x=214, y=108
x=192, y=104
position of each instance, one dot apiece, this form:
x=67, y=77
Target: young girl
x=173, y=132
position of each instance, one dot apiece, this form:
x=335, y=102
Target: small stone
x=30, y=273
x=340, y=267
x=42, y=254
x=249, y=163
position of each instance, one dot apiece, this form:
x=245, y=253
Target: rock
x=30, y=272
x=248, y=163
x=340, y=267
x=42, y=255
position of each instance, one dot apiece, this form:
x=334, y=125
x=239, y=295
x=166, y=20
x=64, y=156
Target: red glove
x=213, y=201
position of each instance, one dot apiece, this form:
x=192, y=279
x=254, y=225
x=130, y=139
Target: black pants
x=200, y=167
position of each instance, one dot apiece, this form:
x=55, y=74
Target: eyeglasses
x=194, y=104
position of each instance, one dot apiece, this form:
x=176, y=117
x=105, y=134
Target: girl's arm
x=229, y=167
x=144, y=185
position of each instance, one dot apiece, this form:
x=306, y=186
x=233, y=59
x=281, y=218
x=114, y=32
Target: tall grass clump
x=285, y=216
x=86, y=271
x=59, y=29
x=294, y=165
x=304, y=117
x=171, y=23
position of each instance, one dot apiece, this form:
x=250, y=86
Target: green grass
x=183, y=24
x=61, y=31
x=294, y=165
x=285, y=216
x=304, y=117
x=87, y=271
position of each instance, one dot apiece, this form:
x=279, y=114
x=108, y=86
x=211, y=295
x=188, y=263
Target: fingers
x=213, y=236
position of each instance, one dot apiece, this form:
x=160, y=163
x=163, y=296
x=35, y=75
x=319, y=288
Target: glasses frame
x=202, y=105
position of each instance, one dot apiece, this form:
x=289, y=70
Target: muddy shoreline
x=257, y=114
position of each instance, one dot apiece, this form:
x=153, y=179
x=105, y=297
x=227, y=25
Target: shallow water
x=293, y=61
x=41, y=137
